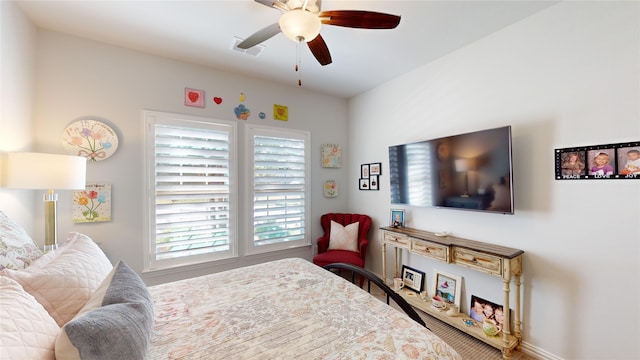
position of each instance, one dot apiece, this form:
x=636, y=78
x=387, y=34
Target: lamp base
x=48, y=248
x=50, y=221
x=464, y=195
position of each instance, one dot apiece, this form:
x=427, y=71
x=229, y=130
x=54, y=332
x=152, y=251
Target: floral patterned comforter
x=286, y=309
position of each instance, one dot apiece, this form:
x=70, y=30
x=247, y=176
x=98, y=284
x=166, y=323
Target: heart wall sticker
x=193, y=97
x=217, y=100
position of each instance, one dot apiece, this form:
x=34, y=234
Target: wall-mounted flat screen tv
x=471, y=171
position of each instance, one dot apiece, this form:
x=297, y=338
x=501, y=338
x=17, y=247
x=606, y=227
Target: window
x=190, y=190
x=279, y=188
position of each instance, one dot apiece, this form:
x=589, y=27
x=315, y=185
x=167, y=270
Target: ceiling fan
x=301, y=20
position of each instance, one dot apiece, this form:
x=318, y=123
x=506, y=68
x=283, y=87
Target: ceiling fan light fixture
x=300, y=25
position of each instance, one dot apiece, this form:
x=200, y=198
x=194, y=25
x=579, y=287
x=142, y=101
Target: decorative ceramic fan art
x=91, y=139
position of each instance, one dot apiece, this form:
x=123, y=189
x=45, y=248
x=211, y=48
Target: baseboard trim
x=538, y=353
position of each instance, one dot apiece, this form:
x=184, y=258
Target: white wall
x=17, y=76
x=568, y=76
x=79, y=79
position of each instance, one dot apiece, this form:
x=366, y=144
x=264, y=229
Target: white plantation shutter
x=280, y=188
x=190, y=181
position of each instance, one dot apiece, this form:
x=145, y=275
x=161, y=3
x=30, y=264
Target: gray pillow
x=119, y=328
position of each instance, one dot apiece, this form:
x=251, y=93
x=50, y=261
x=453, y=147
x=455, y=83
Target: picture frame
x=375, y=169
x=479, y=309
x=447, y=286
x=330, y=189
x=413, y=278
x=617, y=161
x=194, y=97
x=374, y=183
x=364, y=171
x=396, y=219
x=364, y=184
x=331, y=155
x=92, y=205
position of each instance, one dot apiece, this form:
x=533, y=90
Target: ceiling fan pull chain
x=298, y=68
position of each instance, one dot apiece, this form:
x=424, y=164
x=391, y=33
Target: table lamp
x=41, y=171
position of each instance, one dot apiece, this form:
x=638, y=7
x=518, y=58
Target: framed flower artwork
x=93, y=204
x=331, y=156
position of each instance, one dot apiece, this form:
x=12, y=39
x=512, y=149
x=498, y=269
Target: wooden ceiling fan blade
x=260, y=36
x=320, y=50
x=359, y=19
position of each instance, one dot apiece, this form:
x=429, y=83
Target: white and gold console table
x=496, y=260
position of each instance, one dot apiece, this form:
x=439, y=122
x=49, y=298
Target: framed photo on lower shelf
x=447, y=286
x=413, y=279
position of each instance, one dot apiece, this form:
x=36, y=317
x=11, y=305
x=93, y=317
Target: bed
x=85, y=308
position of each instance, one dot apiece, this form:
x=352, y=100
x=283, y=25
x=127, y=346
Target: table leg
x=384, y=262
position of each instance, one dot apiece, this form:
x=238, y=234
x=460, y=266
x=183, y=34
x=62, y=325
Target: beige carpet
x=467, y=346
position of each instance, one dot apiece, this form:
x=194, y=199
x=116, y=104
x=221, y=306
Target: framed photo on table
x=397, y=218
x=413, y=279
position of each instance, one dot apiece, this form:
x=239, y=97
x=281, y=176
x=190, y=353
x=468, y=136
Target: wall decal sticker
x=242, y=113
x=217, y=100
x=280, y=112
x=262, y=115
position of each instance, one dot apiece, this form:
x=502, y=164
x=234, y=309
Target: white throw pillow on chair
x=344, y=237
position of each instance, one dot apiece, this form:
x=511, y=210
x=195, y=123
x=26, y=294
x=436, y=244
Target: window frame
x=149, y=120
x=251, y=131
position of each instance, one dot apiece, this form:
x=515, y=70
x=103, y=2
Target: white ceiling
x=203, y=32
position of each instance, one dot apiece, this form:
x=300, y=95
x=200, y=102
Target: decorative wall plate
x=91, y=139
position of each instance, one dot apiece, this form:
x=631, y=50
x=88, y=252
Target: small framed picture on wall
x=364, y=171
x=364, y=184
x=599, y=162
x=375, y=169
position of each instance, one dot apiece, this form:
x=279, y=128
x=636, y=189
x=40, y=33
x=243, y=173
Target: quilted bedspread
x=286, y=309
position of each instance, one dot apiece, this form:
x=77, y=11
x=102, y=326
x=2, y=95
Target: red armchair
x=326, y=257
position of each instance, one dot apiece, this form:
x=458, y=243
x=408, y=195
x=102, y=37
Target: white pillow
x=344, y=237
x=63, y=280
x=17, y=249
x=28, y=331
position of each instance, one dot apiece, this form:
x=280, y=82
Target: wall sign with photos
x=609, y=161
x=370, y=176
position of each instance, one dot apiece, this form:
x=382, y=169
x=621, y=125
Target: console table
x=496, y=260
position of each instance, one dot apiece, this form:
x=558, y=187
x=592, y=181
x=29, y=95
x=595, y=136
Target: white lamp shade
x=45, y=171
x=300, y=25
